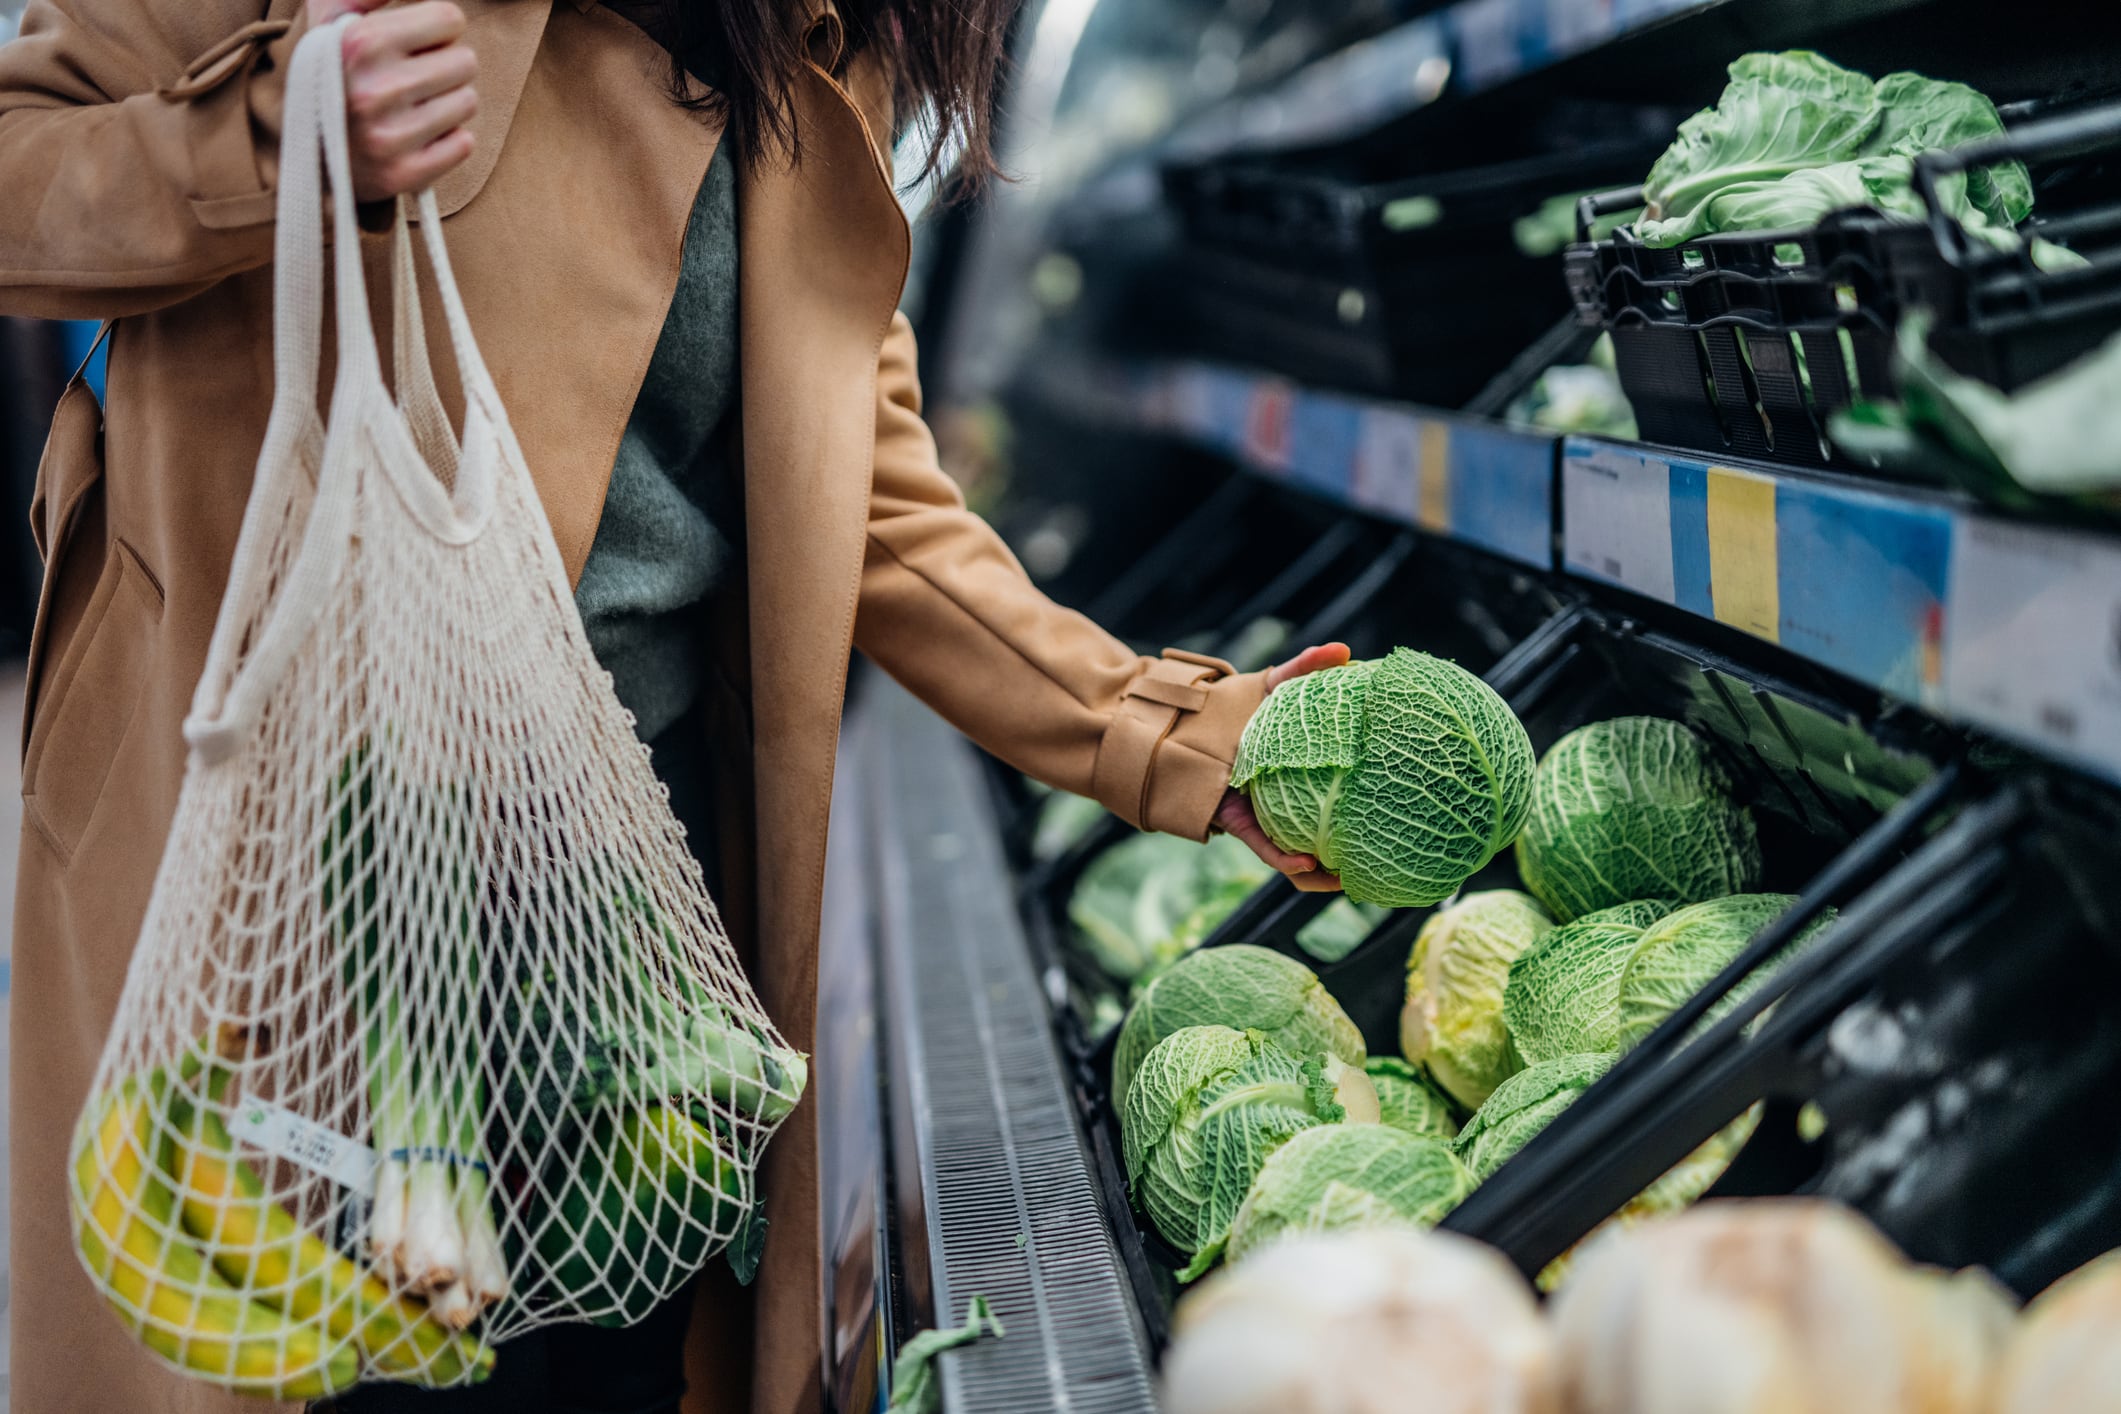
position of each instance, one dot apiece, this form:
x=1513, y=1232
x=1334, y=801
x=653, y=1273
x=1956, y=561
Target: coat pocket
x=69, y=485
x=89, y=701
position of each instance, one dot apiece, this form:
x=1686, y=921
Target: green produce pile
x=1796, y=137
x=1249, y=1107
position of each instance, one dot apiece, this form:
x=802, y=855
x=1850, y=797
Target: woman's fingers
x=388, y=88
x=417, y=170
x=417, y=127
x=1311, y=660
x=1236, y=819
x=323, y=12
x=402, y=30
x=409, y=94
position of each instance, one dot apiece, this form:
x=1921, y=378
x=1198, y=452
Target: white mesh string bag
x=432, y=1034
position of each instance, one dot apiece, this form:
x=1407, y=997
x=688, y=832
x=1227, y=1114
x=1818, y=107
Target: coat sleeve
x=946, y=610
x=138, y=147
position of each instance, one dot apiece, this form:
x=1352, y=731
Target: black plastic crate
x=1748, y=343
x=1321, y=279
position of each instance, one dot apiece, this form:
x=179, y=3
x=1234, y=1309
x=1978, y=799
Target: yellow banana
x=259, y=1247
x=162, y=1287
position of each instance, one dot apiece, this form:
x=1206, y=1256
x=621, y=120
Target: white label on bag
x=286, y=1135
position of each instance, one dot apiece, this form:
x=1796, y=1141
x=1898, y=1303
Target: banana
x=161, y=1286
x=258, y=1247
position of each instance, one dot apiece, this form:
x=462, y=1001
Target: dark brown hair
x=944, y=55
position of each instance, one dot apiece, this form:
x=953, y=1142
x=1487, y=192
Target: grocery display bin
x=1940, y=1057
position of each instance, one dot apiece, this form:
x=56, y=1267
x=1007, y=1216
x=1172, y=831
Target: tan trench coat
x=137, y=154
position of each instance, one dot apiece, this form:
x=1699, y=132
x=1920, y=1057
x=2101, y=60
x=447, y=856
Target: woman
x=677, y=236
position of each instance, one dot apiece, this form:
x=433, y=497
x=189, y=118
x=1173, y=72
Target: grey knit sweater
x=673, y=518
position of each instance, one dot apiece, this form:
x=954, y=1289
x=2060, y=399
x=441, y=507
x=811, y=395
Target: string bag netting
x=432, y=1034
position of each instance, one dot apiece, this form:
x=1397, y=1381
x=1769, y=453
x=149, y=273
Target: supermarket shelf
x=1464, y=49
x=2011, y=627
x=1470, y=480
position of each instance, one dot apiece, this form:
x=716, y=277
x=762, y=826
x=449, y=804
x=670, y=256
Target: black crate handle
x=2079, y=133
x=1604, y=203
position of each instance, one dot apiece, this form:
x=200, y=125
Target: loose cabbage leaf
x=2053, y=438
x=1242, y=987
x=1144, y=903
x=1796, y=137
x=1349, y=1176
x=1339, y=930
x=1781, y=113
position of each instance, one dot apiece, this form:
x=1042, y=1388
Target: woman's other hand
x=408, y=91
x=1235, y=815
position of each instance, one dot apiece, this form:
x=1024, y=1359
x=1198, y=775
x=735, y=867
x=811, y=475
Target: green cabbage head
x=1633, y=808
x=1564, y=993
x=1408, y=1101
x=1682, y=952
x=1404, y=775
x=1207, y=1107
x=1452, y=1021
x=1522, y=1106
x=1242, y=987
x=1348, y=1176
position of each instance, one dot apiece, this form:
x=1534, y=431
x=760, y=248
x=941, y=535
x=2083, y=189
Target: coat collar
x=505, y=35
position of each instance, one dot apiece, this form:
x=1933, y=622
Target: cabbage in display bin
x=1207, y=1107
x=1682, y=952
x=1404, y=775
x=1452, y=1021
x=1409, y=1101
x=1563, y=998
x=1348, y=1176
x=1629, y=809
x=1522, y=1106
x=1245, y=988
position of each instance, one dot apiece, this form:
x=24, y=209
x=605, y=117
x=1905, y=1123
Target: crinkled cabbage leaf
x=1682, y=952
x=1408, y=1101
x=1349, y=1176
x=1242, y=987
x=1404, y=774
x=1563, y=997
x=1204, y=1111
x=1633, y=808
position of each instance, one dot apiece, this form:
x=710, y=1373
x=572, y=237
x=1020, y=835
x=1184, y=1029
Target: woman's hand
x=408, y=92
x=1235, y=815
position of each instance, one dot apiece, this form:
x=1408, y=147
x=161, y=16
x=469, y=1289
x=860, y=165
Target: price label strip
x=286, y=1135
x=1387, y=463
x=1616, y=517
x=1744, y=583
x=2032, y=638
